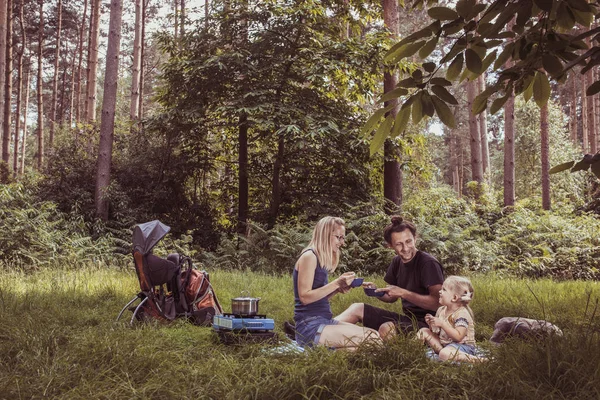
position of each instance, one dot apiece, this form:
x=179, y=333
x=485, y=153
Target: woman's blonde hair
x=321, y=242
x=462, y=287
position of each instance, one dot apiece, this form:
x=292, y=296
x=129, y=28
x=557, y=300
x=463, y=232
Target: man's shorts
x=374, y=317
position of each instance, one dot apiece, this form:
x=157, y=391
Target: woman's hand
x=345, y=280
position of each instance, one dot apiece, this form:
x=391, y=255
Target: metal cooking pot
x=246, y=305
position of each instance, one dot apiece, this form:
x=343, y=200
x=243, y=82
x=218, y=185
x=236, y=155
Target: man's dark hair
x=398, y=225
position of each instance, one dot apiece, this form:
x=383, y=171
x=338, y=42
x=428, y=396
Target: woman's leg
x=346, y=335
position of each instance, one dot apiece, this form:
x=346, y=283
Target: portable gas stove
x=237, y=329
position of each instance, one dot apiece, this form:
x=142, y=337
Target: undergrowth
x=58, y=339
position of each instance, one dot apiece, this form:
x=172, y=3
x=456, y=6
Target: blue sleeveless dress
x=312, y=318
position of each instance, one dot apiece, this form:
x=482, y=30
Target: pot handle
x=245, y=291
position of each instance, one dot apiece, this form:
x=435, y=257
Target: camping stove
x=232, y=322
x=237, y=329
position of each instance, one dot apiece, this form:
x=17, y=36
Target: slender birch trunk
x=78, y=85
x=25, y=109
x=40, y=89
x=53, y=104
x=92, y=79
x=8, y=85
x=545, y=155
x=109, y=103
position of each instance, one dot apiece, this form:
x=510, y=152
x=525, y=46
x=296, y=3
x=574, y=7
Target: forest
x=240, y=123
x=196, y=114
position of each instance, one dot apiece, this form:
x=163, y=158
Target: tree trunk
x=8, y=86
x=78, y=86
x=206, y=14
x=243, y=173
x=545, y=154
x=584, y=114
x=3, y=22
x=276, y=194
x=509, y=152
x=25, y=108
x=182, y=19
x=475, y=140
x=573, y=110
x=109, y=103
x=19, y=91
x=142, y=55
x=392, y=174
x=485, y=147
x=135, y=68
x=591, y=78
x=40, y=88
x=92, y=79
x=55, y=79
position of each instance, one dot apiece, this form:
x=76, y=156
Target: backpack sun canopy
x=147, y=235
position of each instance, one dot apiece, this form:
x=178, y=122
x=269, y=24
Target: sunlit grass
x=58, y=339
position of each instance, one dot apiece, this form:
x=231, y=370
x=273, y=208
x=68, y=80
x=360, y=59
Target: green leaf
x=401, y=121
x=393, y=94
x=382, y=133
x=504, y=56
x=593, y=89
x=561, y=167
x=552, y=64
x=583, y=18
x=441, y=82
x=545, y=5
x=443, y=112
x=487, y=61
x=417, y=108
x=580, y=5
x=404, y=51
x=443, y=94
x=565, y=17
x=541, y=89
x=473, y=61
x=528, y=93
x=453, y=27
x=583, y=165
x=427, y=104
x=498, y=104
x=428, y=48
x=596, y=168
x=442, y=13
x=429, y=66
x=407, y=83
x=374, y=119
x=455, y=68
x=423, y=33
x=479, y=104
x=464, y=7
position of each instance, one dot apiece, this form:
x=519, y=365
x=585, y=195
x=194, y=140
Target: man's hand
x=392, y=291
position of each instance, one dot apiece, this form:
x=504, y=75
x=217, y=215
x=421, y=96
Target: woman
x=312, y=312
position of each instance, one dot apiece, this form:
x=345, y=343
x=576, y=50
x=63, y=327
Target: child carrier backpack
x=169, y=288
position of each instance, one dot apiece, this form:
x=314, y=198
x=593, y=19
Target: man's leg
x=353, y=314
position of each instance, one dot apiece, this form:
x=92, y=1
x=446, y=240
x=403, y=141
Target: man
x=414, y=276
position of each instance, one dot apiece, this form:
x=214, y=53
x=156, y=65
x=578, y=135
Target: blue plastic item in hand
x=371, y=292
x=357, y=282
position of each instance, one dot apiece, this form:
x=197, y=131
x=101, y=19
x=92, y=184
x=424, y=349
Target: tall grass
x=58, y=339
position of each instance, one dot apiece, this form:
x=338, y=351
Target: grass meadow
x=59, y=339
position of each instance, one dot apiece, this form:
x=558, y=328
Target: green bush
x=35, y=233
x=463, y=235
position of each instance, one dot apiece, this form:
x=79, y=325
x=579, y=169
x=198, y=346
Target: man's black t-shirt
x=417, y=276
